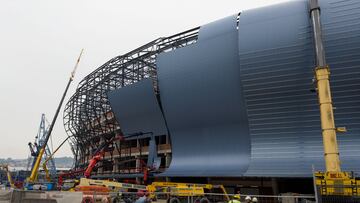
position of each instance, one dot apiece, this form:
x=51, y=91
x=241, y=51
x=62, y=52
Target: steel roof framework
x=88, y=114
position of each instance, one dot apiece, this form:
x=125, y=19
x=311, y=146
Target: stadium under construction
x=229, y=102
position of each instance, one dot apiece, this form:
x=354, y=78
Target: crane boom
x=322, y=76
x=50, y=157
x=333, y=182
x=5, y=167
x=35, y=169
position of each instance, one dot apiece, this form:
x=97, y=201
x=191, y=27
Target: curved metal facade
x=238, y=102
x=277, y=70
x=201, y=95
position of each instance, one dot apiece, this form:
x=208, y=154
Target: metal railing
x=168, y=197
x=161, y=197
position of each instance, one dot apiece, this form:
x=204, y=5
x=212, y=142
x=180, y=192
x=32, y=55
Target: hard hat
x=236, y=196
x=248, y=198
x=254, y=199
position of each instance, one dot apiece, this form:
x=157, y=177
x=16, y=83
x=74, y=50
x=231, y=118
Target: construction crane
x=334, y=181
x=39, y=141
x=50, y=158
x=5, y=167
x=34, y=172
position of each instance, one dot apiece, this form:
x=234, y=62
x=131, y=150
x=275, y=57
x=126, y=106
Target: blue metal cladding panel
x=276, y=70
x=201, y=96
x=136, y=108
x=341, y=25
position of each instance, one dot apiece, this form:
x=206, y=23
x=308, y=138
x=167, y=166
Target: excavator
x=333, y=182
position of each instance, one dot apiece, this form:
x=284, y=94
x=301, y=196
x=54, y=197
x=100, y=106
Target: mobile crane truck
x=180, y=192
x=333, y=183
x=32, y=180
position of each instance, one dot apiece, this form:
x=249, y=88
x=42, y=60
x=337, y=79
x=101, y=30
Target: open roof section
x=88, y=114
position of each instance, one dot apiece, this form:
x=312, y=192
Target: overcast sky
x=41, y=39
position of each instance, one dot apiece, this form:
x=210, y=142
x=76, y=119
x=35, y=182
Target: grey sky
x=41, y=39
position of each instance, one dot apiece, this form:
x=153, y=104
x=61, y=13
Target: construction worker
x=236, y=199
x=143, y=197
x=247, y=199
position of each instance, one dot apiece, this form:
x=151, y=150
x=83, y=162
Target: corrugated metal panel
x=276, y=63
x=201, y=97
x=341, y=24
x=275, y=71
x=136, y=108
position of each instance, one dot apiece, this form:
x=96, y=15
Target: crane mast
x=322, y=79
x=36, y=166
x=334, y=181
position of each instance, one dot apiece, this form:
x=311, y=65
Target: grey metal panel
x=201, y=96
x=136, y=108
x=342, y=44
x=276, y=63
x=217, y=28
x=153, y=161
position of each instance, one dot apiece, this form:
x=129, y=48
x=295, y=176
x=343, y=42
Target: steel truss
x=88, y=117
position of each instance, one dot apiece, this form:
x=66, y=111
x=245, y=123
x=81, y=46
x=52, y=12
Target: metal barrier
x=21, y=196
x=18, y=196
x=128, y=197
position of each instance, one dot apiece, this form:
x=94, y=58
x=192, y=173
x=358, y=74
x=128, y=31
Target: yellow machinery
x=184, y=190
x=112, y=185
x=333, y=181
x=5, y=167
x=168, y=190
x=34, y=171
x=51, y=156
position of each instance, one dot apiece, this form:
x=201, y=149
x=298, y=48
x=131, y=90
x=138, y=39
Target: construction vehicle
x=98, y=154
x=32, y=180
x=112, y=185
x=176, y=192
x=152, y=164
x=333, y=182
x=49, y=158
x=5, y=167
x=123, y=191
x=67, y=184
x=39, y=140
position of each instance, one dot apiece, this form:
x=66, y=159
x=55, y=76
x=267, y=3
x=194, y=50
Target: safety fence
x=168, y=197
x=19, y=196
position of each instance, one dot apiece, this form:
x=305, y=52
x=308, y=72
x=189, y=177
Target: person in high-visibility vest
x=236, y=199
